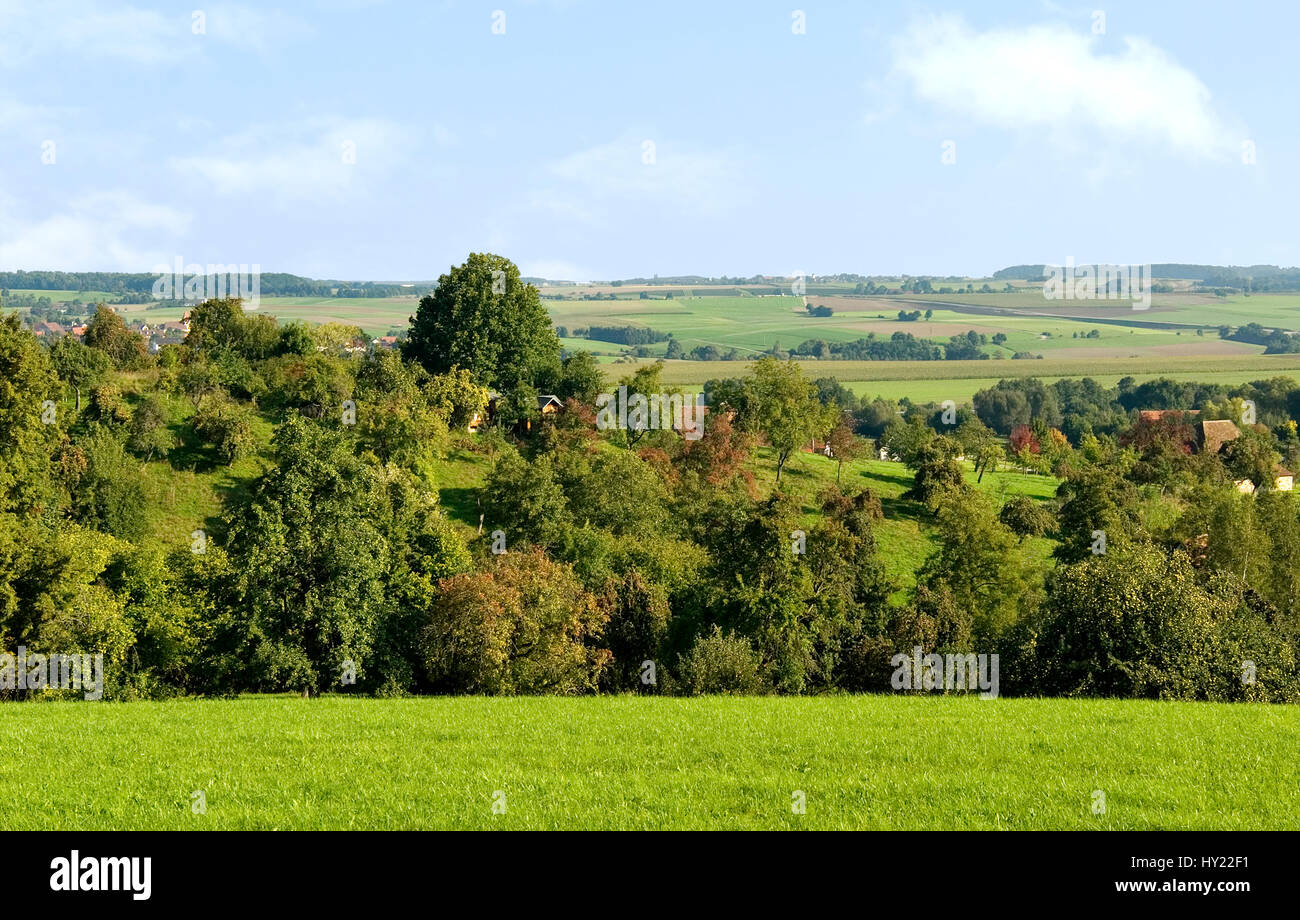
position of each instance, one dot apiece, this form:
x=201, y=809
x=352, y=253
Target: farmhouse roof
x=1216, y=433
x=1155, y=415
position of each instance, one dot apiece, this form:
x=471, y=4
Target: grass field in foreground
x=629, y=762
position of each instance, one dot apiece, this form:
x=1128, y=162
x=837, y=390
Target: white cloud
x=20, y=120
x=104, y=231
x=262, y=31
x=83, y=28
x=1051, y=78
x=90, y=28
x=301, y=161
x=591, y=184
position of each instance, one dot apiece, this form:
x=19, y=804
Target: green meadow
x=67, y=296
x=1281, y=310
x=627, y=762
x=923, y=381
x=755, y=322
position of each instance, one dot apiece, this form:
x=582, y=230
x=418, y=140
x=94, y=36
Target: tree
x=1132, y=622
x=721, y=663
x=637, y=629
x=615, y=490
x=456, y=397
x=721, y=454
x=978, y=563
x=79, y=366
x=1024, y=441
x=845, y=445
x=1095, y=499
x=295, y=339
x=987, y=458
x=1019, y=401
x=906, y=440
x=1026, y=517
x=580, y=379
x=216, y=325
x=26, y=381
x=1252, y=457
x=227, y=426
x=482, y=317
x=937, y=472
x=526, y=625
x=107, y=332
x=197, y=379
x=647, y=382
x=109, y=495
x=147, y=432
x=337, y=337
x=760, y=586
x=526, y=502
x=308, y=563
x=786, y=408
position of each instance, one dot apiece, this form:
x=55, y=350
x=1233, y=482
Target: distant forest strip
x=1250, y=277
x=272, y=284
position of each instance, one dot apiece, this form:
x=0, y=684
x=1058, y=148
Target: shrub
x=521, y=627
x=1025, y=517
x=227, y=426
x=719, y=663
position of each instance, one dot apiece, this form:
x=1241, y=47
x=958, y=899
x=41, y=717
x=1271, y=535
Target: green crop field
x=1280, y=310
x=375, y=315
x=636, y=762
x=755, y=322
x=1053, y=328
x=66, y=296
x=923, y=381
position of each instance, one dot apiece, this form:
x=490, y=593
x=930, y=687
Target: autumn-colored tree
x=721, y=453
x=1023, y=440
x=526, y=625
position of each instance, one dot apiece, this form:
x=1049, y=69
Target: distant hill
x=272, y=284
x=282, y=284
x=1253, y=277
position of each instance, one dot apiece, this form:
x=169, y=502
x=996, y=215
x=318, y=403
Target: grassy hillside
x=905, y=536
x=868, y=762
x=186, y=491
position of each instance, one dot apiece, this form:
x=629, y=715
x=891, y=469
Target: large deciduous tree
x=786, y=408
x=484, y=318
x=309, y=562
x=79, y=366
x=26, y=382
x=107, y=332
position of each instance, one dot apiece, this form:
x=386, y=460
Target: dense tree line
x=615, y=559
x=901, y=346
x=627, y=335
x=271, y=284
x=1276, y=341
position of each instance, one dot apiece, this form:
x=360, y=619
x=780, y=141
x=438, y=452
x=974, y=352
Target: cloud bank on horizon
x=375, y=140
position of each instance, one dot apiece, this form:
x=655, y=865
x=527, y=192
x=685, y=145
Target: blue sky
x=604, y=140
